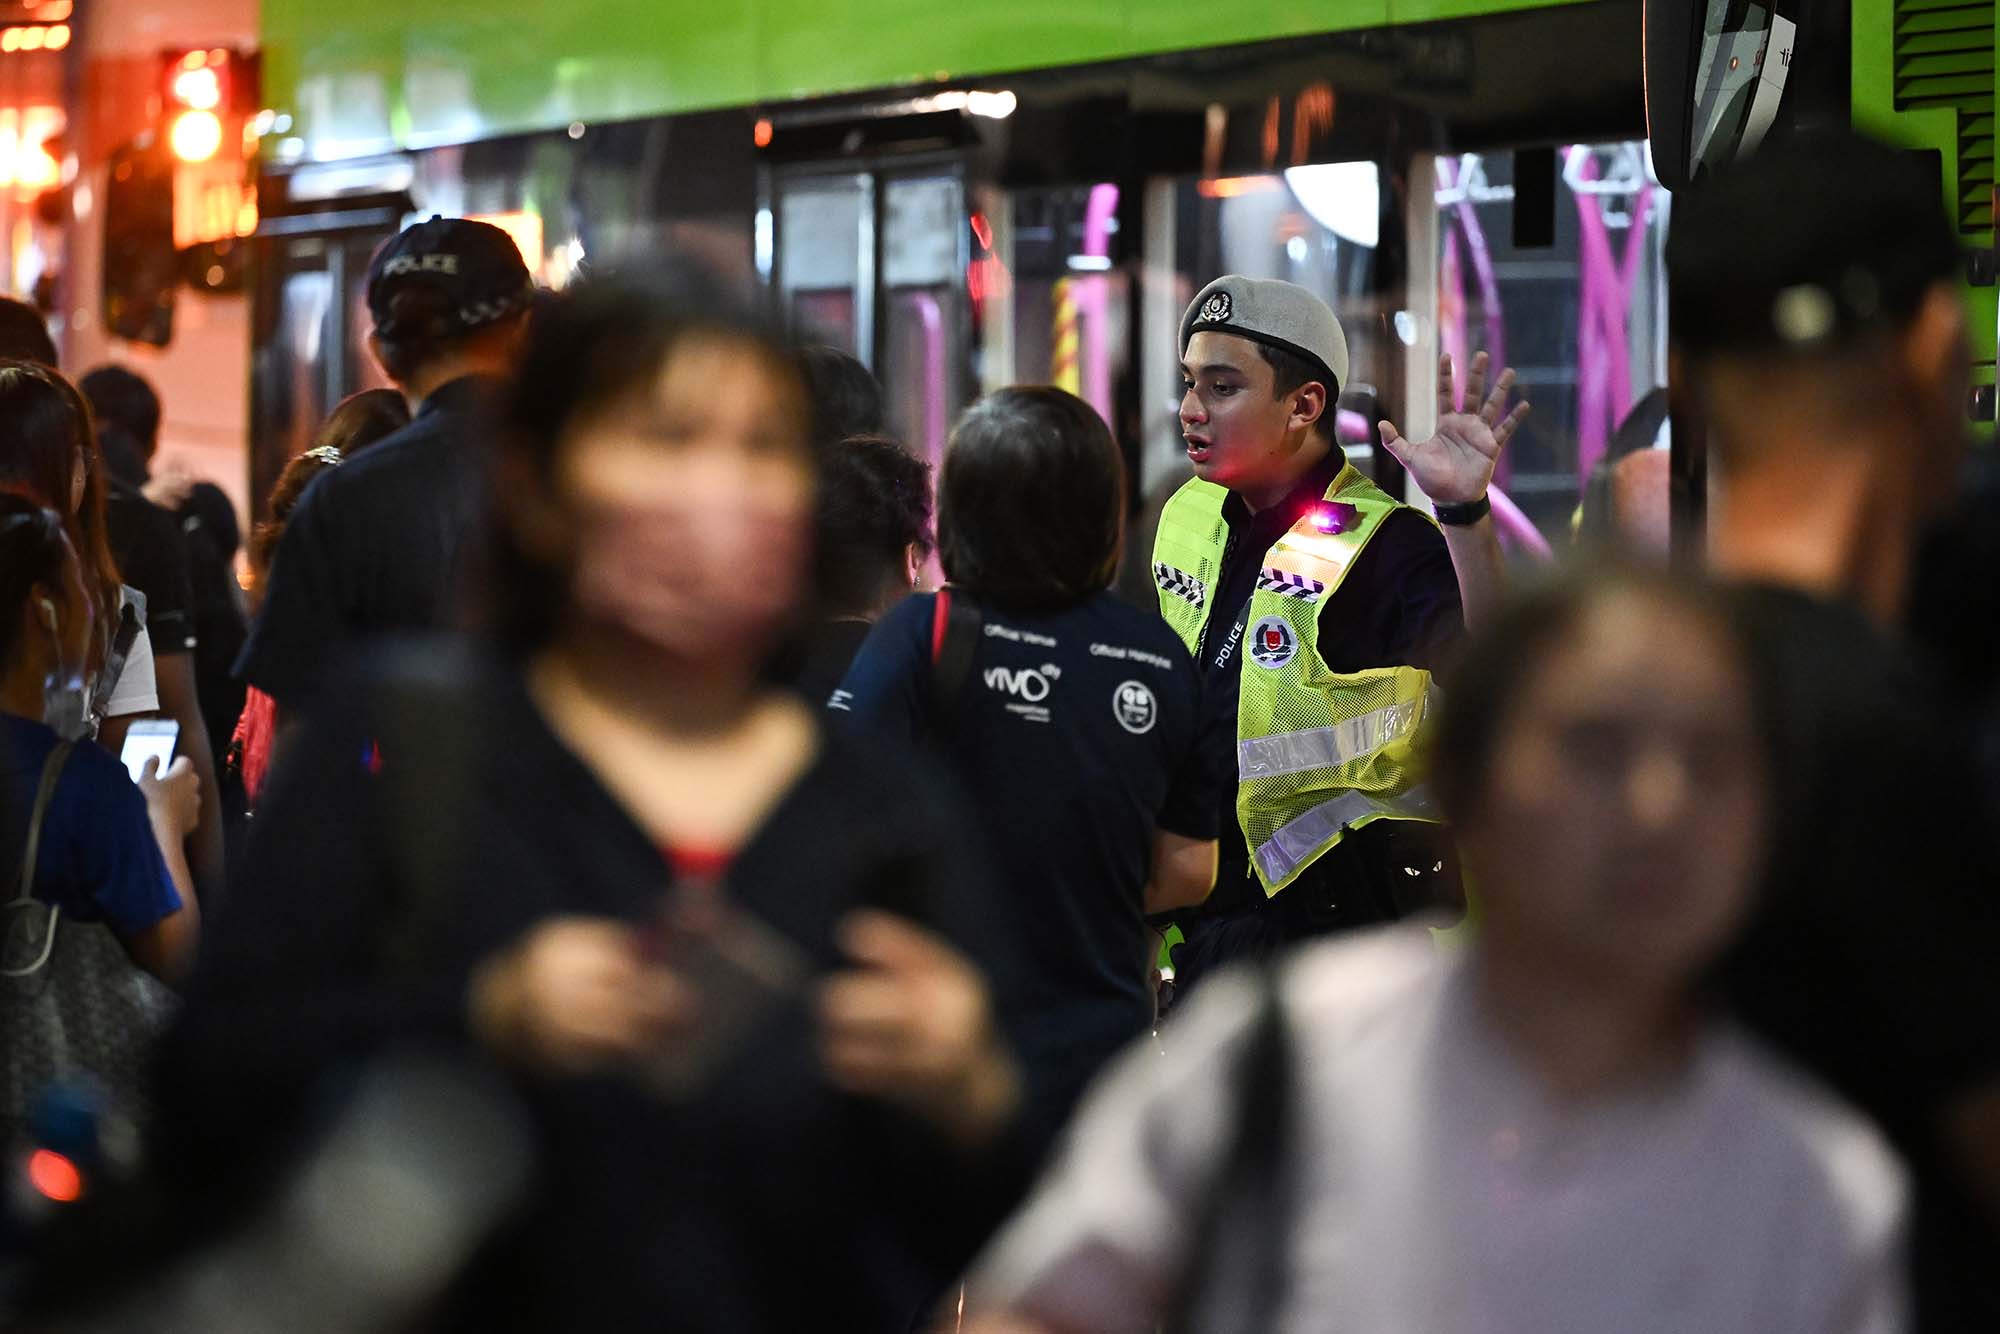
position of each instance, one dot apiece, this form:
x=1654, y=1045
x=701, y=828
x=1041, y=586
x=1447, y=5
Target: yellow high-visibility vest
x=1319, y=752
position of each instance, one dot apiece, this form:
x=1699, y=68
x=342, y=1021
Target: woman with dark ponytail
x=98, y=888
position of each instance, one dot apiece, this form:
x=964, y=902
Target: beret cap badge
x=1215, y=310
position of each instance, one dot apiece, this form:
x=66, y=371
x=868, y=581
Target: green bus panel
x=372, y=75
x=1923, y=76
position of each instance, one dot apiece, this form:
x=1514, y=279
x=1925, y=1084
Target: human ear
x=375, y=351
x=1309, y=405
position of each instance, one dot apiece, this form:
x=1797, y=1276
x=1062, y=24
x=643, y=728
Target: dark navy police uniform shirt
x=1077, y=733
x=1398, y=606
x=375, y=547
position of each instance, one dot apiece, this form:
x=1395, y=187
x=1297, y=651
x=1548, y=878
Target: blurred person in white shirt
x=1552, y=1128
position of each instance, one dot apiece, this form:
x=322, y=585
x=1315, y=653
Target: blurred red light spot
x=54, y=1176
x=762, y=134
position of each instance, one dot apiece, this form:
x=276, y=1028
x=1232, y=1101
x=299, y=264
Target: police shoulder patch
x=1180, y=583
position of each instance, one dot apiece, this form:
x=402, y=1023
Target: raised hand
x=1455, y=466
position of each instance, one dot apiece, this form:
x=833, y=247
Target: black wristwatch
x=1464, y=516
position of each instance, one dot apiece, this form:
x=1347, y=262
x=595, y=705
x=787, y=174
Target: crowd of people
x=601, y=885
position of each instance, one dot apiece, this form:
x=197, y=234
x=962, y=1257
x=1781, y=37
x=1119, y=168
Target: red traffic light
x=202, y=80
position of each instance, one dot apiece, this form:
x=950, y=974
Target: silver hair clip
x=322, y=454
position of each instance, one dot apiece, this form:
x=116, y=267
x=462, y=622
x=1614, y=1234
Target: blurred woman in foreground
x=1549, y=1130
x=726, y=956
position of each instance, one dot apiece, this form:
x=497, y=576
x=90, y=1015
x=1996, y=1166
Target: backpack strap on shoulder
x=1250, y=1182
x=955, y=625
x=44, y=794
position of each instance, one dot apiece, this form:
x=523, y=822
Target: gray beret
x=1277, y=314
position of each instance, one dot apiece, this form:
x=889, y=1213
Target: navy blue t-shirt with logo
x=1077, y=733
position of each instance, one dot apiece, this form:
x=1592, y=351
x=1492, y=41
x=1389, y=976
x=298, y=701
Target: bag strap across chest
x=31, y=851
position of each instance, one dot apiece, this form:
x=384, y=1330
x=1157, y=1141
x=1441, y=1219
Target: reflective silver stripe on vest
x=1293, y=844
x=1326, y=747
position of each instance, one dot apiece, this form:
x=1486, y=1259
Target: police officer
x=376, y=546
x=1318, y=609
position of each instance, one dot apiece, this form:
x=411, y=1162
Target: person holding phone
x=579, y=852
x=90, y=858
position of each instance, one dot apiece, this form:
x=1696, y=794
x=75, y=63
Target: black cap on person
x=475, y=264
x=1816, y=241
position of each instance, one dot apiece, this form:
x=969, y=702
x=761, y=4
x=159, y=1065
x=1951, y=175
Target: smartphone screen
x=149, y=739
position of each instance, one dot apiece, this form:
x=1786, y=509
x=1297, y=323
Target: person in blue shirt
x=108, y=852
x=1071, y=716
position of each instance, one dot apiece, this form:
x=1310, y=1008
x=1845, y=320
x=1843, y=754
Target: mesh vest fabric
x=1319, y=752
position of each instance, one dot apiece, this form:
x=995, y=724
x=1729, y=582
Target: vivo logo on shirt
x=1028, y=683
x=1027, y=688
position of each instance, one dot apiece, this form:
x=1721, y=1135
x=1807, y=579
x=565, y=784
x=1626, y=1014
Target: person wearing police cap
x=375, y=545
x=1318, y=608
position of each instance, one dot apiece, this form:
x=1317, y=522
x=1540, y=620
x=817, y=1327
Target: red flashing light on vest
x=1333, y=517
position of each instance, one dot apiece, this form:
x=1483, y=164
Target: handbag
x=79, y=1012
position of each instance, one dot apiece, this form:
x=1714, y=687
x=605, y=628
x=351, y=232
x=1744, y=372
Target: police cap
x=1277, y=314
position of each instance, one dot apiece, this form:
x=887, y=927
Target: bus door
x=872, y=259
x=310, y=322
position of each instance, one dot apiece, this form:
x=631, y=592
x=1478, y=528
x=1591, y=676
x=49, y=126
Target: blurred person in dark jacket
x=1819, y=334
x=730, y=958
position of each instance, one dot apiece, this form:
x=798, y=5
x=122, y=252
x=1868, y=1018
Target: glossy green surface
x=1874, y=109
x=368, y=75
